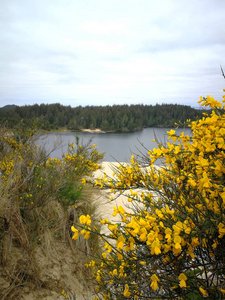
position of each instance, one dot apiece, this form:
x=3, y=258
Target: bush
x=40, y=198
x=172, y=245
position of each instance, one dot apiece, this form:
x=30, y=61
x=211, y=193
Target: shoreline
x=105, y=205
x=97, y=130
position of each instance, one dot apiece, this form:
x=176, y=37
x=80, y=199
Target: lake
x=116, y=146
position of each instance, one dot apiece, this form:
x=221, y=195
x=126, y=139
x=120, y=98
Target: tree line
x=108, y=118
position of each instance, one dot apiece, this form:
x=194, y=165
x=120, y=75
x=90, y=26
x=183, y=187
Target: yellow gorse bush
x=33, y=176
x=172, y=246
x=40, y=197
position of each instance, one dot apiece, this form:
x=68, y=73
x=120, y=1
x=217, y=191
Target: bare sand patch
x=97, y=130
x=106, y=206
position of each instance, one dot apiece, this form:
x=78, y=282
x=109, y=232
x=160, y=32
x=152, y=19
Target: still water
x=116, y=146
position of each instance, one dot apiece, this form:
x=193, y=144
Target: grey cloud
x=25, y=11
x=189, y=24
x=65, y=72
x=185, y=40
x=35, y=62
x=27, y=29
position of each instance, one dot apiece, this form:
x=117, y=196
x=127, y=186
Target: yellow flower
x=84, y=181
x=203, y=291
x=120, y=242
x=182, y=277
x=192, y=183
x=155, y=280
x=82, y=219
x=126, y=292
x=187, y=230
x=143, y=236
x=112, y=227
x=87, y=235
x=195, y=242
x=168, y=232
x=177, y=241
x=115, y=211
x=76, y=233
x=121, y=210
x=155, y=248
x=85, y=220
x=115, y=273
x=171, y=132
x=221, y=228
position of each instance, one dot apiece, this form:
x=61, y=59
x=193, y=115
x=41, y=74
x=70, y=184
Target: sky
x=106, y=52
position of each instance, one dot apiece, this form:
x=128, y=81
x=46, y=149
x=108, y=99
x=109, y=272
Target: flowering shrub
x=172, y=245
x=33, y=178
x=40, y=198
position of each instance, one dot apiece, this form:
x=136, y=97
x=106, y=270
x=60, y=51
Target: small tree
x=172, y=245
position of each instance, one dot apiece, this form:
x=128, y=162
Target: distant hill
x=8, y=107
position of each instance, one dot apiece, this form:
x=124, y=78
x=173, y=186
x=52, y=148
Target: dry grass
x=29, y=253
x=36, y=249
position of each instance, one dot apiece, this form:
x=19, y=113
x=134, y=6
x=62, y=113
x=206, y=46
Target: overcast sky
x=105, y=52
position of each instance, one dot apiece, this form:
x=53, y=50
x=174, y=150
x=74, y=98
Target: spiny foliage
x=171, y=244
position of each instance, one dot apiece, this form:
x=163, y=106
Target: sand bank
x=106, y=206
x=97, y=130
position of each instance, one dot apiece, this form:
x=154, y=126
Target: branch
x=222, y=71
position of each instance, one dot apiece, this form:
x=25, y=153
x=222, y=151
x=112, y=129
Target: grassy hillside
x=41, y=198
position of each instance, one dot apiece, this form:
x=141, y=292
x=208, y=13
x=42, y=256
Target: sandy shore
x=106, y=206
x=107, y=168
x=97, y=130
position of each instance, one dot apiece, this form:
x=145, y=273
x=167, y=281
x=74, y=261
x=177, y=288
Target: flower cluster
x=40, y=198
x=171, y=246
x=26, y=169
x=84, y=220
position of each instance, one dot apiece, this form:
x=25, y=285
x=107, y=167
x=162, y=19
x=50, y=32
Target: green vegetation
x=107, y=118
x=40, y=198
x=171, y=243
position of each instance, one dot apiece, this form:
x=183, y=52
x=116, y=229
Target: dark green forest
x=108, y=118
